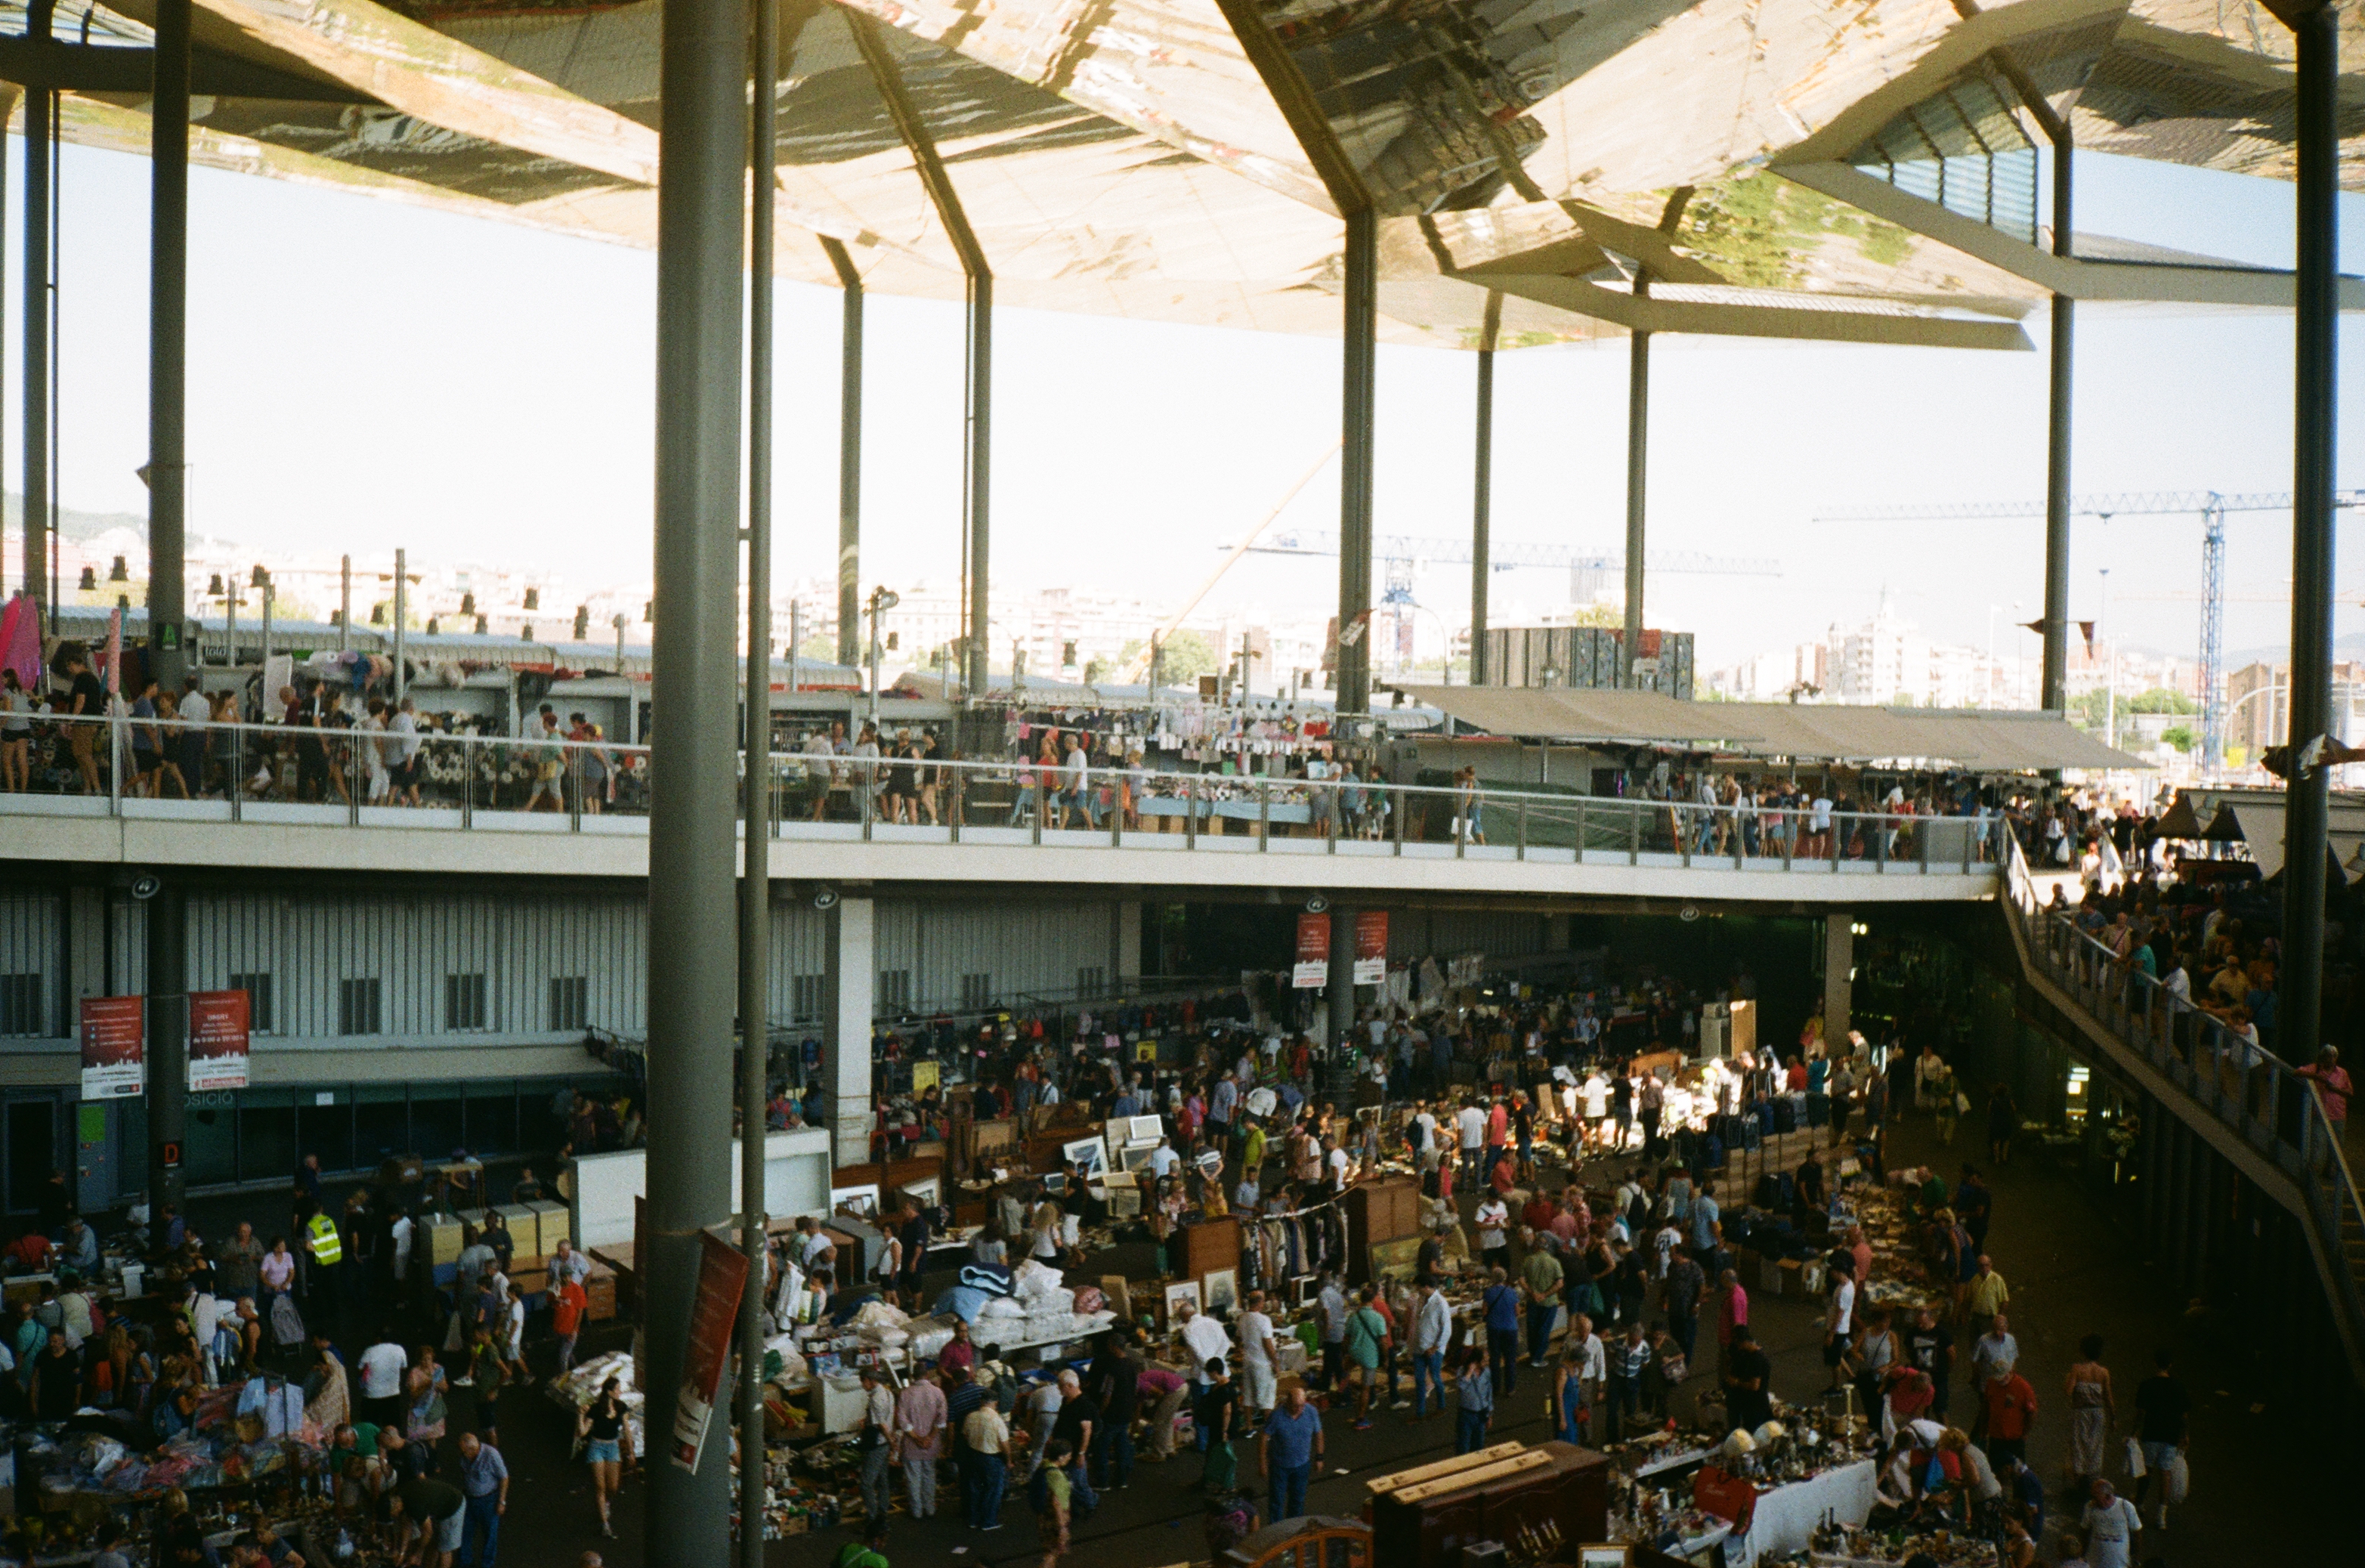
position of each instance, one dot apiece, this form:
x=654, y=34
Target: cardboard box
x=1769, y=1275
x=442, y=1239
x=553, y=1225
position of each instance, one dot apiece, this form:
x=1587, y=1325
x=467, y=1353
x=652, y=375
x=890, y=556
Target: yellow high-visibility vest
x=321, y=1236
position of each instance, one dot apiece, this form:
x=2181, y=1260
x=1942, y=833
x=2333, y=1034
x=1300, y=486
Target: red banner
x=1313, y=970
x=1371, y=946
x=713, y=1318
x=218, y=1039
x=114, y=1048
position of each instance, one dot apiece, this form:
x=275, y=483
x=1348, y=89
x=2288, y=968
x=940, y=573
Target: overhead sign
x=1371, y=946
x=218, y=1039
x=721, y=1274
x=114, y=1048
x=1313, y=969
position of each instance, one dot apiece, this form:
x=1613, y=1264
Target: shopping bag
x=2177, y=1479
x=2134, y=1460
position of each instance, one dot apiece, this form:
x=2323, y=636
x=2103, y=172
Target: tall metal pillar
x=1482, y=493
x=849, y=454
x=168, y=1037
x=1340, y=992
x=701, y=214
x=168, y=347
x=1638, y=463
x=2314, y=445
x=38, y=104
x=1358, y=415
x=2055, y=687
x=977, y=489
x=976, y=469
x=755, y=883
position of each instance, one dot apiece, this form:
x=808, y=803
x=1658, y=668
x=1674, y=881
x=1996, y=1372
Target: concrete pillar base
x=849, y=978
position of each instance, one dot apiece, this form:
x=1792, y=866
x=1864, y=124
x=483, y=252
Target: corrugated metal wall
x=414, y=944
x=1447, y=933
x=32, y=928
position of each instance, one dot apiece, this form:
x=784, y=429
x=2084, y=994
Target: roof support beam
x=849, y=454
x=64, y=67
x=977, y=487
x=2073, y=277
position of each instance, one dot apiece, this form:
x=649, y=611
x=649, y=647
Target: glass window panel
x=381, y=1121
x=209, y=1139
x=266, y=1134
x=326, y=1130
x=492, y=1118
x=437, y=1125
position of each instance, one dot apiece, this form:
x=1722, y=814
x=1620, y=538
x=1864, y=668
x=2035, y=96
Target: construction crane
x=1403, y=553
x=2211, y=506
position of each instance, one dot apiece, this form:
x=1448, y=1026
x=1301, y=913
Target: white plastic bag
x=2178, y=1479
x=2135, y=1469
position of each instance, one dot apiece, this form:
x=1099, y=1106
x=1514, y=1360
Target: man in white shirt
x=1493, y=1219
x=402, y=739
x=1338, y=1166
x=1260, y=1357
x=1432, y=1336
x=1163, y=1160
x=1596, y=1108
x=402, y=1230
x=1818, y=823
x=1593, y=1362
x=2111, y=1524
x=1424, y=1123
x=383, y=1365
x=1208, y=1343
x=1472, y=1121
x=1077, y=776
x=1839, y=1320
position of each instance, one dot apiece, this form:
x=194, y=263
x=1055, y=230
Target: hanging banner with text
x=1313, y=970
x=1371, y=946
x=218, y=1039
x=713, y=1318
x=114, y=1048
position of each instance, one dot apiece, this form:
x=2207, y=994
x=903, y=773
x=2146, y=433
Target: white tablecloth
x=1786, y=1518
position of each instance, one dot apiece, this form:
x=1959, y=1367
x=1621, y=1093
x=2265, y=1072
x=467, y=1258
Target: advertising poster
x=218, y=1039
x=713, y=1319
x=114, y=1048
x=1371, y=946
x=1313, y=969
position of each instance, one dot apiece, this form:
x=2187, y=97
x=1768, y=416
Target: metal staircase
x=2251, y=1107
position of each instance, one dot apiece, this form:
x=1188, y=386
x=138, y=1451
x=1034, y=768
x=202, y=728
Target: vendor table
x=1784, y=1518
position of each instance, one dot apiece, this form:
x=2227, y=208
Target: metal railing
x=2222, y=1075
x=299, y=773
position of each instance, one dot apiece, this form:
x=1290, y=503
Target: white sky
x=363, y=375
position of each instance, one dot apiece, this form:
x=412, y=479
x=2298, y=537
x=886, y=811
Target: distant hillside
x=2352, y=646
x=75, y=524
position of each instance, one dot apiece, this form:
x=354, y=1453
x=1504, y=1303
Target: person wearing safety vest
x=323, y=1250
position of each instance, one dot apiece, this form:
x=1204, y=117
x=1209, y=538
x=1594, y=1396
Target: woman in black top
x=606, y=1446
x=904, y=786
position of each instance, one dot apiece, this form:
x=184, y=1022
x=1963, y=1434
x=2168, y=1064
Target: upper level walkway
x=269, y=796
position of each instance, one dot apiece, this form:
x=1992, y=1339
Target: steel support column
x=2054, y=686
x=1482, y=496
x=2314, y=445
x=40, y=103
x=1360, y=359
x=849, y=454
x=168, y=1037
x=1638, y=463
x=701, y=216
x=1341, y=987
x=977, y=487
x=756, y=882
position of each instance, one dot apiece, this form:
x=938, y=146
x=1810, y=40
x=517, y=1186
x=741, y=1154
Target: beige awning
x=1982, y=740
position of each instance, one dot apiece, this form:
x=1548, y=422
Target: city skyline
x=501, y=406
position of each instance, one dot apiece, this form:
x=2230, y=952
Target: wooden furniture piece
x=1423, y=1517
x=1210, y=1244
x=1308, y=1542
x=1385, y=1210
